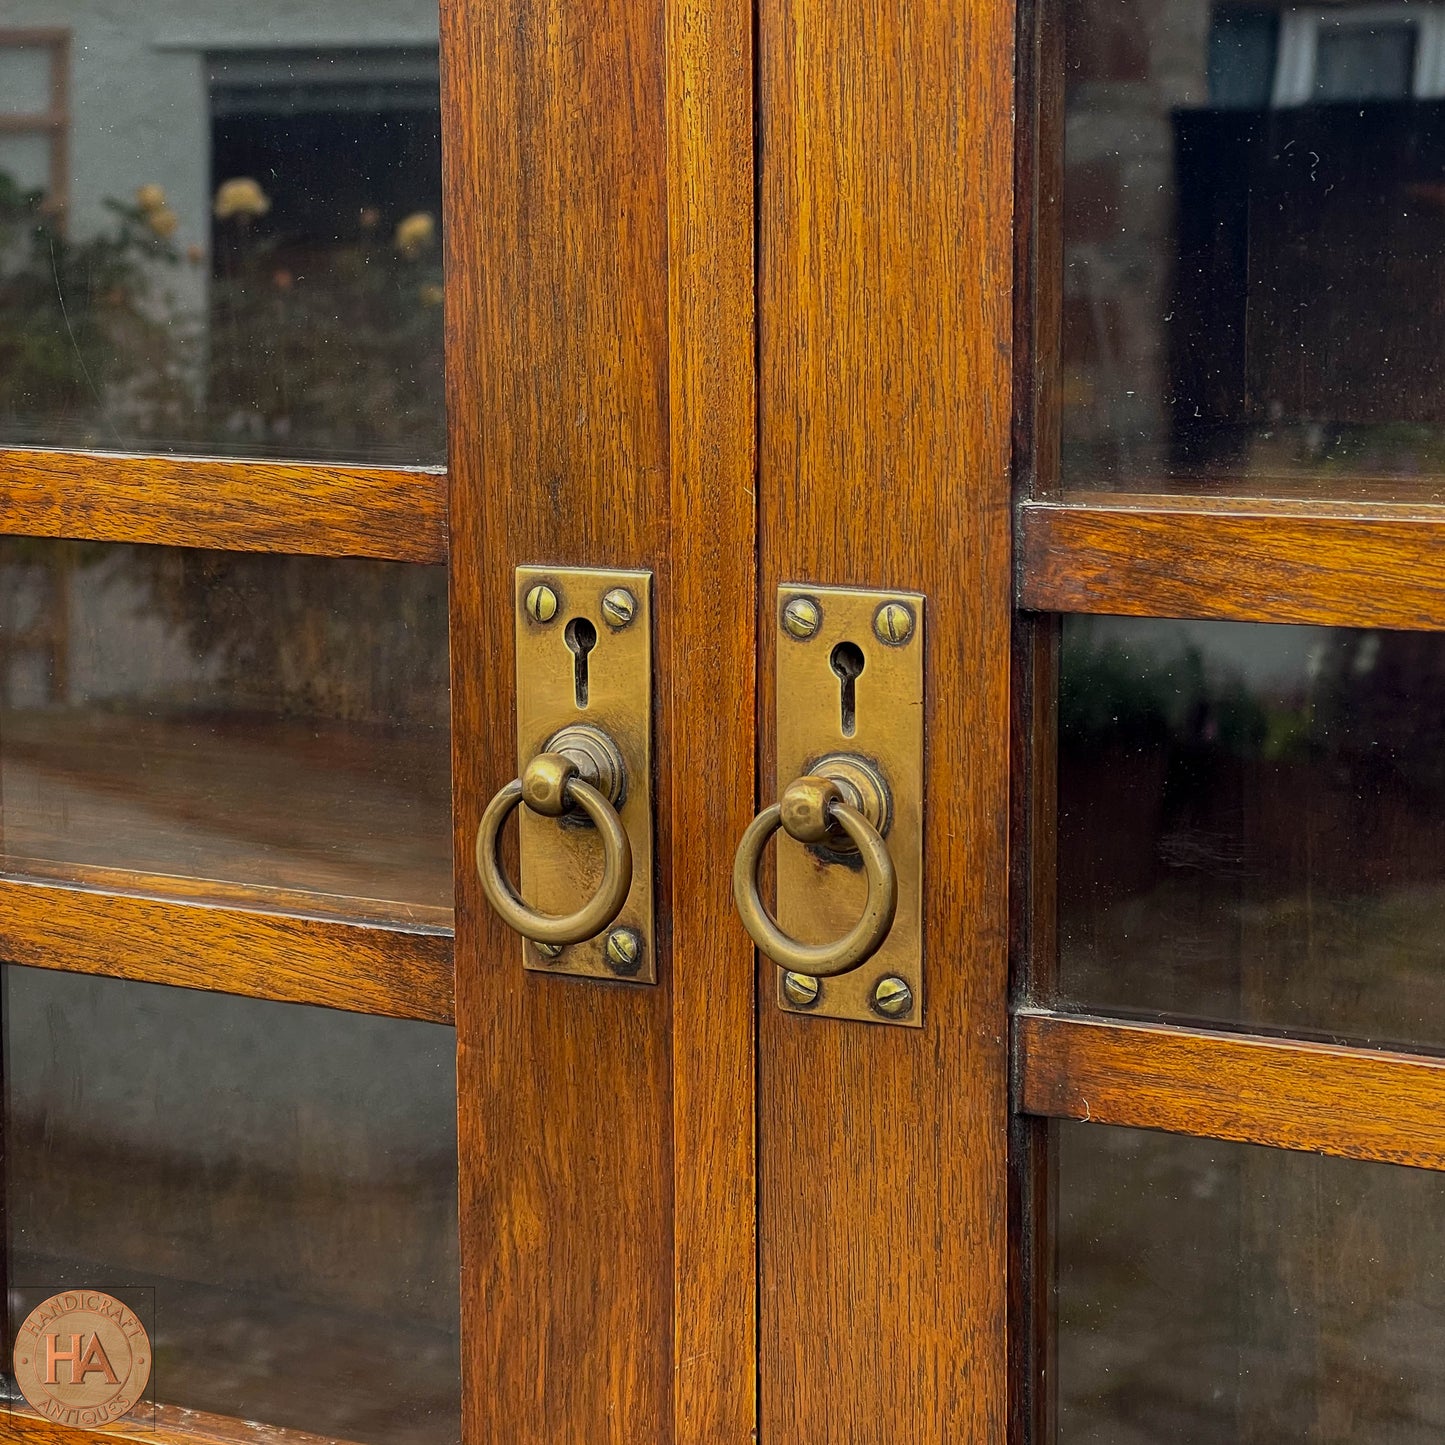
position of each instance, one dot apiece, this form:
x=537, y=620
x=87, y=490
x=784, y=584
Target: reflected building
x=238, y=212
x=1253, y=218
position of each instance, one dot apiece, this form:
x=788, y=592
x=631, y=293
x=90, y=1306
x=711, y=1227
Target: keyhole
x=847, y=661
x=581, y=637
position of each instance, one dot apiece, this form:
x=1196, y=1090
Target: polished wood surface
x=1038, y=248
x=316, y=807
x=173, y=1426
x=250, y=897
x=886, y=331
x=1288, y=1093
x=711, y=688
x=402, y=971
x=556, y=233
x=1251, y=561
x=394, y=513
x=1033, y=955
x=600, y=356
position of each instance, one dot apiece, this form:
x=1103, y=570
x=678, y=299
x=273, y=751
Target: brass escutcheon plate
x=561, y=859
x=820, y=893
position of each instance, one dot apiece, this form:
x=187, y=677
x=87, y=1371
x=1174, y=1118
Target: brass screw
x=548, y=951
x=624, y=952
x=802, y=617
x=541, y=603
x=619, y=607
x=893, y=623
x=892, y=997
x=800, y=989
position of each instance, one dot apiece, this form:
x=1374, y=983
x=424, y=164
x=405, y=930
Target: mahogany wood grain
x=1038, y=248
x=1033, y=956
x=1250, y=561
x=315, y=509
x=173, y=1426
x=886, y=326
x=710, y=688
x=364, y=967
x=1288, y=1093
x=250, y=897
x=558, y=371
x=350, y=820
x=1033, y=768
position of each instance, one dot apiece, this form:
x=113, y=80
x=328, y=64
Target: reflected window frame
x=1296, y=66
x=53, y=123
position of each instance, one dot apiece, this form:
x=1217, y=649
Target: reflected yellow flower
x=150, y=198
x=369, y=218
x=241, y=196
x=195, y=254
x=414, y=234
x=163, y=221
x=431, y=295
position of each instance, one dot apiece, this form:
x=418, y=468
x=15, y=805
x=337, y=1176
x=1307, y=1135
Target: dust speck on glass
x=1254, y=247
x=219, y=228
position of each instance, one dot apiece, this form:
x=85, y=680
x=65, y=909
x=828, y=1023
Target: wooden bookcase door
x=225, y=865
x=727, y=297
x=731, y=303
x=1227, y=869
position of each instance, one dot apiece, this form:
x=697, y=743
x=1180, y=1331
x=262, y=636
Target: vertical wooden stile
x=886, y=326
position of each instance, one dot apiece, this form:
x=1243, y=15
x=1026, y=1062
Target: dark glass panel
x=1225, y=1294
x=1364, y=62
x=1253, y=248
x=1252, y=825
x=279, y=1180
x=261, y=720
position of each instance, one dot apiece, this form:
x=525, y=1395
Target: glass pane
x=1243, y=1296
x=1252, y=825
x=1253, y=248
x=283, y=1178
x=263, y=720
x=221, y=236
x=1364, y=62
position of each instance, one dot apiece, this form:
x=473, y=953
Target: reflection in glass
x=1225, y=1294
x=1252, y=825
x=283, y=1178
x=1254, y=247
x=263, y=720
x=221, y=237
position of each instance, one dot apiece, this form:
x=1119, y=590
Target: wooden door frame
x=600, y=238
x=886, y=253
x=599, y=193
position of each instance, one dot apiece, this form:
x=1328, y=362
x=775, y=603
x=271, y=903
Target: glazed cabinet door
x=730, y=324
x=1228, y=996
x=228, y=1197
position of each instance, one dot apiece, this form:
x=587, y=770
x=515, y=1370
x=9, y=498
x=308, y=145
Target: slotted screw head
x=893, y=623
x=800, y=989
x=541, y=603
x=548, y=951
x=802, y=617
x=619, y=607
x=892, y=997
x=624, y=951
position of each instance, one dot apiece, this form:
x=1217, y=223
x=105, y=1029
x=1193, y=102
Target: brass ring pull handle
x=811, y=810
x=581, y=767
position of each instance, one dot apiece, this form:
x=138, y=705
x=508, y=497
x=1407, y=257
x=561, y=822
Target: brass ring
x=599, y=910
x=862, y=941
